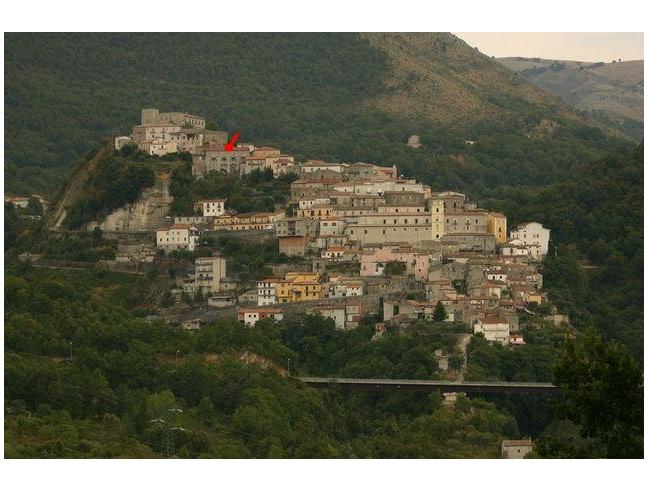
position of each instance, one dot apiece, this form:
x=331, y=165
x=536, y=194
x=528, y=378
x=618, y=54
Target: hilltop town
x=360, y=240
x=316, y=245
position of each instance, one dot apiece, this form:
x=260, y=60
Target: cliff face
x=146, y=214
x=77, y=183
x=142, y=208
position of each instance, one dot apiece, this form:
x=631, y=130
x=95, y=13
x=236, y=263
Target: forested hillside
x=328, y=96
x=595, y=269
x=86, y=375
x=84, y=378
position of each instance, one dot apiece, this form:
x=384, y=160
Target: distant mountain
x=613, y=92
x=334, y=96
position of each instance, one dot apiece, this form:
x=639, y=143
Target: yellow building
x=316, y=211
x=437, y=212
x=496, y=225
x=307, y=290
x=299, y=286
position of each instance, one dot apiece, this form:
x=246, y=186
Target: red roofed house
x=251, y=315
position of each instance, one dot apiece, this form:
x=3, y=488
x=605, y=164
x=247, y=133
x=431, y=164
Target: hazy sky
x=582, y=46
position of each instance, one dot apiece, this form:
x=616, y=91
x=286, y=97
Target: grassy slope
x=614, y=88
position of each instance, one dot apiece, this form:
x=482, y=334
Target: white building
x=158, y=147
x=494, y=329
x=177, y=236
x=211, y=208
x=251, y=315
x=346, y=288
x=379, y=187
x=267, y=291
x=532, y=233
x=516, y=248
x=333, y=252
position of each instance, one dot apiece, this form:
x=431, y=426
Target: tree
x=455, y=361
x=440, y=313
x=395, y=268
x=602, y=388
x=199, y=297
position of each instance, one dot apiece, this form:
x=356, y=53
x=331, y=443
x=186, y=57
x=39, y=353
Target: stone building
x=207, y=275
x=153, y=116
x=122, y=141
x=389, y=228
x=210, y=208
x=516, y=448
x=215, y=158
x=177, y=236
x=215, y=137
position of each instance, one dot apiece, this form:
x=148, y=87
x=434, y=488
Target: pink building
x=417, y=264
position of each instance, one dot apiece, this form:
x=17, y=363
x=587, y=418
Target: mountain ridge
x=613, y=92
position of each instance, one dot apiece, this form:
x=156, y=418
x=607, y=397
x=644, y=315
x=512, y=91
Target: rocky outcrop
x=147, y=213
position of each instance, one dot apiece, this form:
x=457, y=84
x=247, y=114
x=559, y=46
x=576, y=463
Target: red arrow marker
x=230, y=146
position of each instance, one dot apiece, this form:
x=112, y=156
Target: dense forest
x=595, y=268
x=312, y=95
x=85, y=378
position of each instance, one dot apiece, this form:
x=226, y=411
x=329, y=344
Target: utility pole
x=288, y=366
x=168, y=430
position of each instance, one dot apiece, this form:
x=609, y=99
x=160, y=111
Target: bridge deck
x=427, y=385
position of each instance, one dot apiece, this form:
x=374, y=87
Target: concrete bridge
x=427, y=385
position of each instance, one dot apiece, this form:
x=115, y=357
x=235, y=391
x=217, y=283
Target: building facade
x=177, y=237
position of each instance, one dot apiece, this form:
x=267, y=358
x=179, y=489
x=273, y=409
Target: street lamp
x=289, y=366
